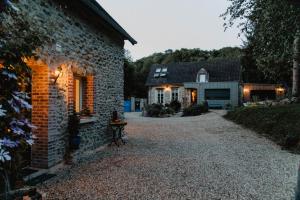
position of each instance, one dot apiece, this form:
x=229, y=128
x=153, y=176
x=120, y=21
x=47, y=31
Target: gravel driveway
x=204, y=157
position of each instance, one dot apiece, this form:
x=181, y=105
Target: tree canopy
x=270, y=27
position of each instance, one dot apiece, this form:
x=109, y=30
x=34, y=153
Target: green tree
x=272, y=29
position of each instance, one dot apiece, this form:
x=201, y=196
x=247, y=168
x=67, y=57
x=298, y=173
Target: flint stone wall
x=81, y=48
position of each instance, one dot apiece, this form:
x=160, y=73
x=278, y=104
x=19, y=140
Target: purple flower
x=30, y=141
x=27, y=123
x=10, y=75
x=17, y=130
x=2, y=112
x=9, y=143
x=23, y=95
x=4, y=155
x=22, y=102
x=13, y=104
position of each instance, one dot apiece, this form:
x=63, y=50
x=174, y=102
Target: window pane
x=160, y=96
x=158, y=70
x=175, y=94
x=77, y=95
x=202, y=78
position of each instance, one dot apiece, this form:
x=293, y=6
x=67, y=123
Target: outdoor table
x=117, y=128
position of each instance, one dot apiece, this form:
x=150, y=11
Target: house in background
x=81, y=69
x=217, y=82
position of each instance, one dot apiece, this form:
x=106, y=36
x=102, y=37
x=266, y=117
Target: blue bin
x=127, y=106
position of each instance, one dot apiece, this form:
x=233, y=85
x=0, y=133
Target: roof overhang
x=97, y=8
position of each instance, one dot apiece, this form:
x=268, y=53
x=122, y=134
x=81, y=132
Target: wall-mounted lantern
x=1, y=63
x=55, y=74
x=167, y=88
x=246, y=90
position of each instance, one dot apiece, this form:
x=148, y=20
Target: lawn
x=279, y=123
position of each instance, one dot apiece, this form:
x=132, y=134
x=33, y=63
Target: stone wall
x=80, y=48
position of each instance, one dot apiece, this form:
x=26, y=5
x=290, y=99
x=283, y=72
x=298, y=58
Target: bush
x=167, y=111
x=175, y=105
x=196, y=109
x=153, y=110
x=158, y=110
x=279, y=123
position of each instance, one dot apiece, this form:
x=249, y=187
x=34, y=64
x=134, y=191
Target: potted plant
x=73, y=129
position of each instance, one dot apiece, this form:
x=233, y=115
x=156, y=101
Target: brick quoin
x=40, y=109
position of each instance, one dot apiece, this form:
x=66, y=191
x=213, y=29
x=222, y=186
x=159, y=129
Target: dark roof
x=179, y=73
x=95, y=6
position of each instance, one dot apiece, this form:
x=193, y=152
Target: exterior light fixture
x=280, y=89
x=167, y=88
x=246, y=90
x=1, y=63
x=55, y=74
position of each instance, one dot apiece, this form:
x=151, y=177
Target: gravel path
x=204, y=157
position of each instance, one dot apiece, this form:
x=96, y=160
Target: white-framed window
x=160, y=96
x=202, y=78
x=174, y=94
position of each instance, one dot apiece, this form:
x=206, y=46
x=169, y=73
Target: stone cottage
x=81, y=69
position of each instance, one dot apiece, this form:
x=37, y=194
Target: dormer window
x=160, y=72
x=202, y=76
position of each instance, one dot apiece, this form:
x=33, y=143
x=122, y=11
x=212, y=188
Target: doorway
x=194, y=96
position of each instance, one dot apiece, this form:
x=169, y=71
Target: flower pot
x=75, y=142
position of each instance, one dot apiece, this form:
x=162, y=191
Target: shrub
x=167, y=111
x=153, y=110
x=279, y=123
x=175, y=105
x=158, y=110
x=196, y=109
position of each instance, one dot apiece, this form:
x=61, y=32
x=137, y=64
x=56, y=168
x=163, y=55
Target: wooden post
x=132, y=99
x=296, y=58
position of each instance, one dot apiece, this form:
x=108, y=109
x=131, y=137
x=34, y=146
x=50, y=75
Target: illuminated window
x=83, y=92
x=79, y=87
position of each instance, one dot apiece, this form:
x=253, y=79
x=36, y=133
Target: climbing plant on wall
x=18, y=40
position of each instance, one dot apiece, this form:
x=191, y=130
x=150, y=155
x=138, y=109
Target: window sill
x=86, y=120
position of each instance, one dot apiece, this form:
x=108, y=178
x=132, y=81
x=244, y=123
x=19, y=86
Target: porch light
x=280, y=89
x=246, y=90
x=1, y=63
x=55, y=74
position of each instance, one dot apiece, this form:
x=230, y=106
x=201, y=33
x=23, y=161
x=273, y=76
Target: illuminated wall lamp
x=246, y=90
x=280, y=89
x=167, y=88
x=55, y=74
